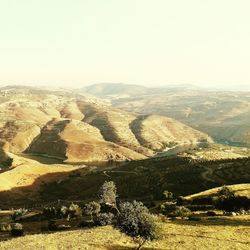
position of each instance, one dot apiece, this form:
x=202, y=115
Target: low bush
x=50, y=212
x=92, y=209
x=103, y=219
x=17, y=229
x=74, y=210
x=211, y=213
x=181, y=211
x=233, y=203
x=18, y=213
x=167, y=207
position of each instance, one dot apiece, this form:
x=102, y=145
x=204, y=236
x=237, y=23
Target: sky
x=149, y=42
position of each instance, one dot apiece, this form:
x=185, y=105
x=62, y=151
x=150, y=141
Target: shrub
x=64, y=211
x=225, y=192
x=92, y=208
x=74, y=210
x=233, y=203
x=181, y=211
x=17, y=229
x=50, y=212
x=135, y=220
x=18, y=213
x=103, y=219
x=167, y=207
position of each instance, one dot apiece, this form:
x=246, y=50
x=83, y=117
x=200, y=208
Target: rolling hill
x=69, y=127
x=223, y=115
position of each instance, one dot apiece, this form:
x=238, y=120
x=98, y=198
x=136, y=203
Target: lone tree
x=92, y=208
x=135, y=220
x=108, y=194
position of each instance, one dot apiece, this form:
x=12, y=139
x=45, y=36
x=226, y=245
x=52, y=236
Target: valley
x=124, y=125
x=142, y=180
x=72, y=128
x=47, y=137
x=57, y=148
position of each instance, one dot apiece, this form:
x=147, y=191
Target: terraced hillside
x=72, y=128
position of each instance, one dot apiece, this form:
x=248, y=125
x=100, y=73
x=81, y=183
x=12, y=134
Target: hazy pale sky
x=79, y=42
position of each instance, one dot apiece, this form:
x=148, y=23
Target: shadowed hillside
x=142, y=180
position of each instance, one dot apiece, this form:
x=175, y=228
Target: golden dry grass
x=27, y=171
x=223, y=234
x=238, y=189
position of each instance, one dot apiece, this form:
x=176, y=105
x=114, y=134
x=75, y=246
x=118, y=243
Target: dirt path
x=207, y=175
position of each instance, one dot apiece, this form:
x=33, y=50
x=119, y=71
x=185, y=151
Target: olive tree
x=92, y=208
x=108, y=194
x=136, y=221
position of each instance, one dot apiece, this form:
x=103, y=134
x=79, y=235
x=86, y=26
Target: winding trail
x=207, y=174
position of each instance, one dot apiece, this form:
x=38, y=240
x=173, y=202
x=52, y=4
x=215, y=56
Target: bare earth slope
x=75, y=129
x=224, y=115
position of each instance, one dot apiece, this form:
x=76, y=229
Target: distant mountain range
x=114, y=90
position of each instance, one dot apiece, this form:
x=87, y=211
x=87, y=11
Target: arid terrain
x=225, y=234
x=71, y=139
x=58, y=148
x=224, y=115
x=204, y=232
x=75, y=129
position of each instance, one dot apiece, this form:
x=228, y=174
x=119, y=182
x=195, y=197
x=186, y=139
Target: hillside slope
x=70, y=127
x=224, y=115
x=239, y=189
x=144, y=180
x=189, y=235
